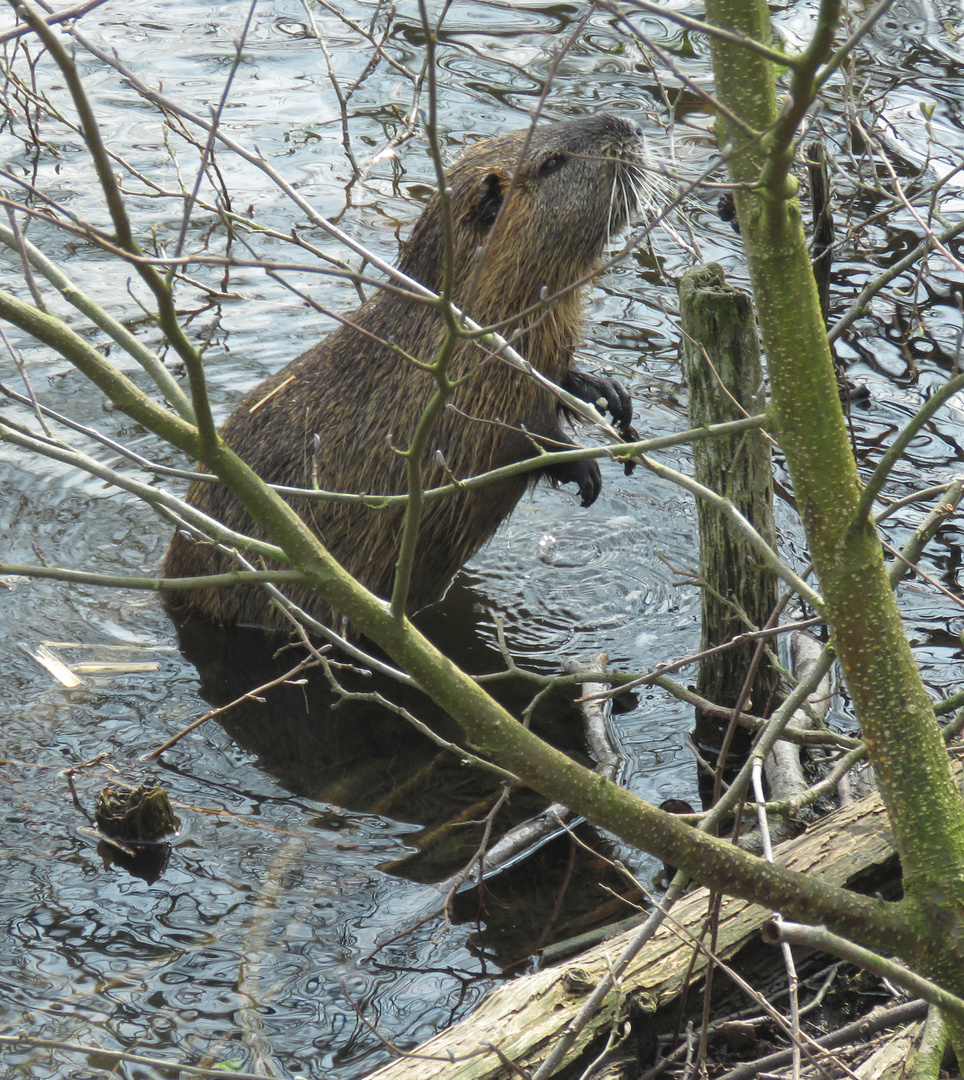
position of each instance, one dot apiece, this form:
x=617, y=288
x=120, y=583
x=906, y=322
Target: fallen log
x=519, y=1023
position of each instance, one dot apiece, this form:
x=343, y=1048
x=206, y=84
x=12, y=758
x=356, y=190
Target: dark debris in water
x=140, y=815
x=134, y=829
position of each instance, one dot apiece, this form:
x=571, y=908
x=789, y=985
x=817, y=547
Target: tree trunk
x=888, y=694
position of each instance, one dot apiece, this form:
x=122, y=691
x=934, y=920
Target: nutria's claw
x=591, y=484
x=604, y=393
x=584, y=473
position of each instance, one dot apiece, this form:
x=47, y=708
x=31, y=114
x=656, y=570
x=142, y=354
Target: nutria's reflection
x=360, y=757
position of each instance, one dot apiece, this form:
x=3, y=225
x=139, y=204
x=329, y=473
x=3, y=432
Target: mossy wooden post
x=721, y=357
x=822, y=248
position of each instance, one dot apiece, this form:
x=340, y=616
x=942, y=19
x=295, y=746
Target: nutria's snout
x=529, y=215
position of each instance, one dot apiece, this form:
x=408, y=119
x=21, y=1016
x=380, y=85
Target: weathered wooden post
x=721, y=357
x=821, y=251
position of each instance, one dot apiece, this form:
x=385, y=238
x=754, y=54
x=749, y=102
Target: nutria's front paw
x=604, y=393
x=584, y=473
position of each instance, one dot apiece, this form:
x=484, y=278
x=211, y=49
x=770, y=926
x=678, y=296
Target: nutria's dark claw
x=584, y=473
x=604, y=393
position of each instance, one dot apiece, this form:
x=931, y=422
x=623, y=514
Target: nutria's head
x=536, y=206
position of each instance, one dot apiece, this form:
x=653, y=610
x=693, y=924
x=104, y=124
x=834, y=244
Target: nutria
x=531, y=212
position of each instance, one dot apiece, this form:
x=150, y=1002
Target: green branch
x=119, y=333
x=152, y=584
x=781, y=142
x=819, y=938
x=117, y=387
x=167, y=313
x=896, y=449
x=769, y=557
x=173, y=508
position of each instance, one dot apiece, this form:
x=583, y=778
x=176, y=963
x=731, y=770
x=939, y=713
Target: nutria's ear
x=489, y=200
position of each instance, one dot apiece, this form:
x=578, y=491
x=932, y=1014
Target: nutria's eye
x=490, y=200
x=552, y=164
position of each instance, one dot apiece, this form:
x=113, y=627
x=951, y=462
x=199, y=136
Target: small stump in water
x=139, y=816
x=135, y=825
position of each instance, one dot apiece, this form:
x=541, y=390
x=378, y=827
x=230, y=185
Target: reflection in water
x=358, y=756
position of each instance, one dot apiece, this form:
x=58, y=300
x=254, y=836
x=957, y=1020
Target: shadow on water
x=359, y=756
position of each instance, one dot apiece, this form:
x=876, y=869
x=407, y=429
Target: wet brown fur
x=552, y=195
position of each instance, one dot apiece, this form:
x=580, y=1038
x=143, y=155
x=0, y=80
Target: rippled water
x=298, y=857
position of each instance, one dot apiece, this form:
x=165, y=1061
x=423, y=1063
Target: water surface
x=278, y=918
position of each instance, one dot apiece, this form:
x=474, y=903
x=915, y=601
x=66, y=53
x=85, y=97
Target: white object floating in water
x=69, y=675
x=55, y=666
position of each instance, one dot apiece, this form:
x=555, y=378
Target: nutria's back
x=531, y=212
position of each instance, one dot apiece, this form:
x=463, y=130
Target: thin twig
x=251, y=695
